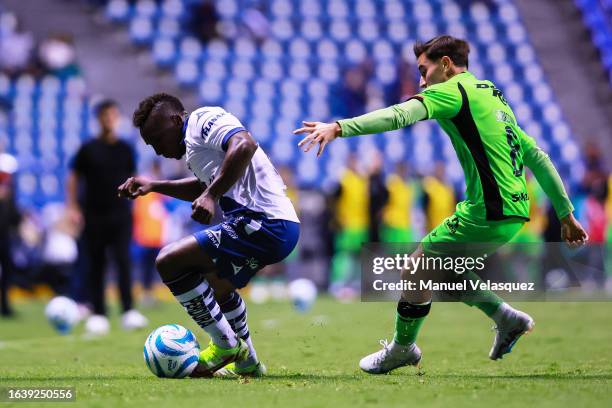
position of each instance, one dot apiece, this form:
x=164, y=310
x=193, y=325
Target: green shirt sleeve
x=443, y=100
x=547, y=176
x=383, y=120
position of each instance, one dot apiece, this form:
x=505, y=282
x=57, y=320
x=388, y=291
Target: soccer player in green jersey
x=493, y=151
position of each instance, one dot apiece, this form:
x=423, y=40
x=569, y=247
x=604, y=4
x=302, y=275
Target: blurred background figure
x=57, y=55
x=99, y=167
x=9, y=220
x=438, y=196
x=379, y=196
x=203, y=20
x=150, y=217
x=15, y=46
x=59, y=248
x=352, y=220
x=397, y=222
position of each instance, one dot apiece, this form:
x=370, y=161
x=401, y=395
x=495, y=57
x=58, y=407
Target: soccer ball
x=171, y=351
x=62, y=313
x=303, y=293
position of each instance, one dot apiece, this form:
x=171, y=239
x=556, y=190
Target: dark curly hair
x=454, y=48
x=154, y=102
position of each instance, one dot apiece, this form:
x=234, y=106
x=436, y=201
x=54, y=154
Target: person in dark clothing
x=379, y=195
x=98, y=168
x=9, y=219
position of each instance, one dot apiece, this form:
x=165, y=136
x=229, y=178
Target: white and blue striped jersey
x=261, y=189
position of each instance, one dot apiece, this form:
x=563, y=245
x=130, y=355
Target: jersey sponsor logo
x=497, y=93
x=502, y=116
x=230, y=231
x=516, y=197
x=206, y=128
x=236, y=268
x=214, y=236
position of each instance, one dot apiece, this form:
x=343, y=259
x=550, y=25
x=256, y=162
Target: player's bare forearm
x=187, y=189
x=240, y=151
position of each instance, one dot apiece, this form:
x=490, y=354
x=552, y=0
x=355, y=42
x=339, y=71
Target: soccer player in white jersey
x=260, y=226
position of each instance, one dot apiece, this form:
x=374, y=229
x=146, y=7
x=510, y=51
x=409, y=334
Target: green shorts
x=457, y=235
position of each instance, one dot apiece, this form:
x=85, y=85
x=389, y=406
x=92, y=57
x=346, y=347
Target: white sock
x=235, y=312
x=196, y=296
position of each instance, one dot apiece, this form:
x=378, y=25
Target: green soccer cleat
x=232, y=370
x=214, y=358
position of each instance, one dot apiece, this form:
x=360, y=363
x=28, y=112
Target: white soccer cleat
x=133, y=319
x=97, y=325
x=511, y=326
x=391, y=356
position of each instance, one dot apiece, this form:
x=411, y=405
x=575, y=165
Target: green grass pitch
x=312, y=360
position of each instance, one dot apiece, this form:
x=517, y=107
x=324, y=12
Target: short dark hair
x=454, y=48
x=105, y=104
x=159, y=100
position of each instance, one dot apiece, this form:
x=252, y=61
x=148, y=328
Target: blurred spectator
x=256, y=22
x=203, y=20
x=9, y=220
x=57, y=55
x=397, y=226
x=15, y=46
x=352, y=220
x=59, y=249
x=150, y=215
x=378, y=196
x=405, y=86
x=350, y=96
x=438, y=197
x=100, y=166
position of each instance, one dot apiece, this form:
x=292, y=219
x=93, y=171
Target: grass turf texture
x=313, y=360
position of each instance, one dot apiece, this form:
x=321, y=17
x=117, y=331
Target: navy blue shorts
x=243, y=244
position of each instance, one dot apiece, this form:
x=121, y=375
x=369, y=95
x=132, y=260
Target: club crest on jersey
x=452, y=224
x=252, y=263
x=214, y=236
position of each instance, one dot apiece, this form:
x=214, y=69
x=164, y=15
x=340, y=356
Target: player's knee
x=165, y=263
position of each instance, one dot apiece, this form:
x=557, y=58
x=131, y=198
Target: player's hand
x=203, y=208
x=318, y=132
x=135, y=187
x=572, y=232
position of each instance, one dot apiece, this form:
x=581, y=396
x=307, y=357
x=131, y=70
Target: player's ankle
x=502, y=311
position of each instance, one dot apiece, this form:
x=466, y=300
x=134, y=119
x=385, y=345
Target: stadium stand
x=274, y=83
x=597, y=16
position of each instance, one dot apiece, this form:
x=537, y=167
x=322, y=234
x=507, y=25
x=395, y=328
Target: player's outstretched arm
x=240, y=150
x=187, y=189
x=382, y=120
x=547, y=176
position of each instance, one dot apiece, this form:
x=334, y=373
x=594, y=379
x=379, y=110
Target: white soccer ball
x=303, y=293
x=171, y=351
x=62, y=313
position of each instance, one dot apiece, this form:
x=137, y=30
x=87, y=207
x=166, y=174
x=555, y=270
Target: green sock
x=406, y=329
x=484, y=300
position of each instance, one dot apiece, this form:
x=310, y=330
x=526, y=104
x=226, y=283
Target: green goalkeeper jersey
x=489, y=144
x=491, y=147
